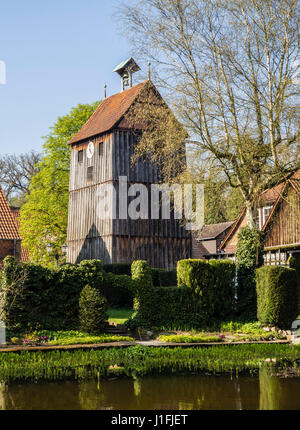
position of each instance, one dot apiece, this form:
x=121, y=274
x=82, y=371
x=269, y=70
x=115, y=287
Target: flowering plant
x=32, y=339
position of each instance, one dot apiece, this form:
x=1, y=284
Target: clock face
x=90, y=150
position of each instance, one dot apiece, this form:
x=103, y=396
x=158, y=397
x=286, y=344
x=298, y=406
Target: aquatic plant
x=139, y=360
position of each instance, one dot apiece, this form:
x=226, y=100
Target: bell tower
x=126, y=69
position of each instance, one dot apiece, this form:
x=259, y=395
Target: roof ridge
x=8, y=227
x=107, y=120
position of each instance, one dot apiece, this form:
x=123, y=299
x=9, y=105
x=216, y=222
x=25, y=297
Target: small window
x=90, y=173
x=263, y=215
x=80, y=156
x=100, y=149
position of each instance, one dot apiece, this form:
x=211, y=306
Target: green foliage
x=164, y=278
x=212, y=282
x=92, y=310
x=249, y=256
x=295, y=264
x=27, y=295
x=214, y=200
x=91, y=272
x=205, y=289
x=118, y=289
x=139, y=360
x=184, y=338
x=74, y=337
x=277, y=296
x=118, y=269
x=39, y=297
x=234, y=204
x=45, y=213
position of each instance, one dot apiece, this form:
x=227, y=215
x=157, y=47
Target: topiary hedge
x=277, y=296
x=92, y=311
x=164, y=278
x=38, y=297
x=295, y=264
x=207, y=292
x=212, y=281
x=118, y=289
x=118, y=269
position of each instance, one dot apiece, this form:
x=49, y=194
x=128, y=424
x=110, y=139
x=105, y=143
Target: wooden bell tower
x=100, y=154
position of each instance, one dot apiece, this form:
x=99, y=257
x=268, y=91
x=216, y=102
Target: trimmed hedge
x=118, y=269
x=295, y=264
x=277, y=296
x=92, y=310
x=118, y=289
x=190, y=305
x=164, y=278
x=212, y=281
x=39, y=297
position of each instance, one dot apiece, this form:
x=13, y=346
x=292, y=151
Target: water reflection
x=161, y=392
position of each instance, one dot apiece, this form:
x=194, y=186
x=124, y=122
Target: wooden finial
x=105, y=86
x=149, y=71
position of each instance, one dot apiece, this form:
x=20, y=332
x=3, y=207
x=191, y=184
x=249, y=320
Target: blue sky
x=57, y=54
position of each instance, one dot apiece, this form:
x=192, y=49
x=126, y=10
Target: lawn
x=118, y=315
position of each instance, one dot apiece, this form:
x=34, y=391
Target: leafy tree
x=44, y=216
x=234, y=203
x=230, y=69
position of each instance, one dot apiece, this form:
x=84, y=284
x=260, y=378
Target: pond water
x=161, y=392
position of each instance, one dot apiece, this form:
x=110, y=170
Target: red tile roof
x=8, y=228
x=16, y=215
x=108, y=113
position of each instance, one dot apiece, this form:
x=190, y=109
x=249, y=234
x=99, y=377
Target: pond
x=161, y=392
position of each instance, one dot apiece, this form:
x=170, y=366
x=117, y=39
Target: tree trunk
x=251, y=215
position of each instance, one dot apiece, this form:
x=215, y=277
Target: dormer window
x=80, y=156
x=263, y=215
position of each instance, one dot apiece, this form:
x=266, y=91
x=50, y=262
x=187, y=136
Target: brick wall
x=7, y=248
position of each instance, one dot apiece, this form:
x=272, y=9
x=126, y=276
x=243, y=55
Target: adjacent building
x=278, y=216
x=10, y=241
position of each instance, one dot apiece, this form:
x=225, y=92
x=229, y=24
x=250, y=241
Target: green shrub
x=164, y=278
x=118, y=289
x=182, y=338
x=224, y=287
x=40, y=297
x=249, y=256
x=27, y=295
x=118, y=269
x=91, y=272
x=212, y=282
x=92, y=310
x=163, y=307
x=277, y=296
x=295, y=264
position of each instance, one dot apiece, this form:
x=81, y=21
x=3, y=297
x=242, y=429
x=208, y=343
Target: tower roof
x=8, y=228
x=108, y=113
x=127, y=64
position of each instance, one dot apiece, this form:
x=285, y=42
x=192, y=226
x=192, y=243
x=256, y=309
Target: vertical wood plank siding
x=161, y=242
x=285, y=225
